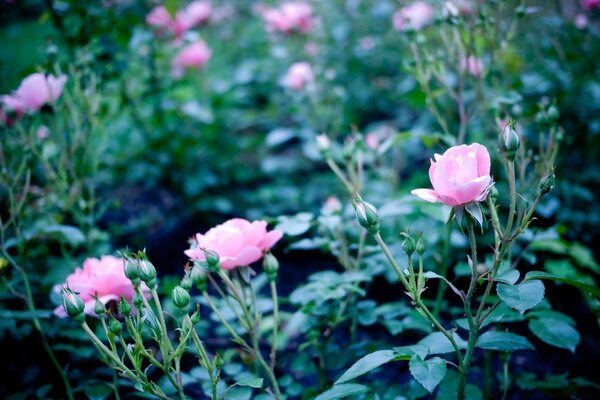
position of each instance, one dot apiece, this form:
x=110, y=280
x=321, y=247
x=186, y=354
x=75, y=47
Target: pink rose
x=159, y=17
x=590, y=4
x=460, y=176
x=298, y=76
x=195, y=55
x=472, y=64
x=414, y=16
x=238, y=242
x=581, y=21
x=291, y=16
x=196, y=13
x=372, y=140
x=33, y=92
x=331, y=206
x=104, y=277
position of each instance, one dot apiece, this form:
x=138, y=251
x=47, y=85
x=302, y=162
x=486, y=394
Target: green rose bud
x=271, y=266
x=137, y=299
x=408, y=245
x=508, y=141
x=181, y=297
x=114, y=326
x=420, y=246
x=186, y=283
x=199, y=277
x=73, y=304
x=99, y=308
x=131, y=270
x=547, y=184
x=212, y=260
x=124, y=307
x=147, y=273
x=366, y=215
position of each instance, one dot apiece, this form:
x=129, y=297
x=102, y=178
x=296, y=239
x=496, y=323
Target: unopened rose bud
x=420, y=246
x=181, y=297
x=131, y=271
x=137, y=299
x=408, y=245
x=508, y=142
x=553, y=113
x=195, y=317
x=114, y=326
x=186, y=283
x=271, y=266
x=366, y=215
x=324, y=145
x=212, y=260
x=218, y=361
x=199, y=277
x=99, y=308
x=493, y=194
x=547, y=184
x=147, y=273
x=73, y=304
x=124, y=307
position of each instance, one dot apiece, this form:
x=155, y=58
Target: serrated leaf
x=438, y=343
x=592, y=289
x=252, y=382
x=523, y=296
x=555, y=332
x=366, y=364
x=503, y=341
x=429, y=373
x=342, y=390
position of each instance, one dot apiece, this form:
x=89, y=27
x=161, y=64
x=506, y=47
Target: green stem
x=513, y=198
x=275, y=324
x=439, y=298
x=341, y=176
x=204, y=356
x=237, y=338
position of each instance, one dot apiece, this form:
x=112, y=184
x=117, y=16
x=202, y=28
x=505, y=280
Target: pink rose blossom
x=195, y=55
x=581, y=21
x=372, y=140
x=460, y=176
x=590, y=4
x=472, y=64
x=238, y=242
x=104, y=277
x=42, y=132
x=33, y=92
x=414, y=16
x=332, y=205
x=298, y=76
x=159, y=17
x=196, y=13
x=292, y=16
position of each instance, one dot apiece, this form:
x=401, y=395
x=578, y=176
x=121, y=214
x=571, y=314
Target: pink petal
x=270, y=239
x=473, y=190
x=426, y=194
x=249, y=255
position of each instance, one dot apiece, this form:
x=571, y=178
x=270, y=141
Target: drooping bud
x=99, y=308
x=508, y=141
x=73, y=304
x=124, y=307
x=114, y=326
x=199, y=277
x=547, y=184
x=147, y=273
x=181, y=297
x=212, y=260
x=420, y=246
x=408, y=245
x=366, y=215
x=324, y=145
x=271, y=266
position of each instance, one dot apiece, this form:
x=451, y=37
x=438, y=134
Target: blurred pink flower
x=159, y=17
x=42, y=132
x=581, y=21
x=460, y=176
x=196, y=13
x=332, y=206
x=590, y=4
x=414, y=16
x=372, y=140
x=459, y=7
x=238, y=242
x=472, y=64
x=311, y=48
x=104, y=277
x=33, y=92
x=367, y=42
x=298, y=76
x=291, y=16
x=195, y=55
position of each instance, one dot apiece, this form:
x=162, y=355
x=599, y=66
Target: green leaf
x=509, y=277
x=407, y=352
x=252, y=382
x=592, y=289
x=343, y=390
x=428, y=373
x=438, y=343
x=366, y=364
x=295, y=225
x=97, y=391
x=555, y=332
x=503, y=341
x=523, y=296
x=70, y=234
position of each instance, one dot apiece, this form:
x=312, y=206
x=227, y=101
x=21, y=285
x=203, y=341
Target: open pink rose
x=104, y=277
x=298, y=76
x=415, y=16
x=195, y=55
x=460, y=176
x=33, y=92
x=291, y=16
x=238, y=242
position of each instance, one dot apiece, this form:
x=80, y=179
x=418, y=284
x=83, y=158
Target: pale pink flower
x=311, y=48
x=372, y=140
x=238, y=242
x=104, y=278
x=298, y=76
x=33, y=92
x=332, y=205
x=590, y=4
x=460, y=176
x=195, y=55
x=196, y=13
x=472, y=64
x=414, y=16
x=367, y=42
x=42, y=132
x=291, y=16
x=159, y=17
